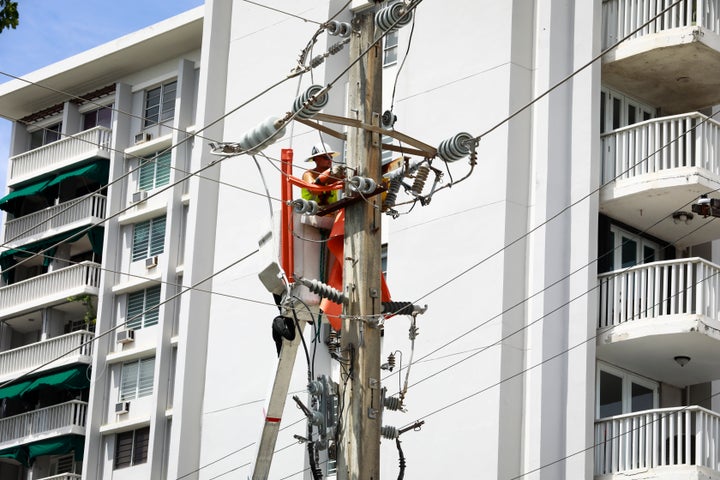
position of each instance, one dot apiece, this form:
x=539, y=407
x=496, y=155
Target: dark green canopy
x=97, y=171
x=26, y=454
x=75, y=378
x=33, y=189
x=14, y=390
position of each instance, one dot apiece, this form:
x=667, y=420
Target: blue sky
x=51, y=30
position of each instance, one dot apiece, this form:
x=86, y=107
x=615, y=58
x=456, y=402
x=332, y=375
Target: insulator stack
x=262, y=136
x=389, y=432
x=392, y=17
x=333, y=342
x=391, y=361
x=398, y=308
x=420, y=179
x=340, y=29
x=325, y=291
x=393, y=403
x=456, y=147
x=306, y=207
x=304, y=107
x=392, y=193
x=363, y=185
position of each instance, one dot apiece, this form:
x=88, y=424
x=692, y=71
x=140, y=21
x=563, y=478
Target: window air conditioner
x=139, y=196
x=122, y=407
x=151, y=262
x=125, y=336
x=142, y=137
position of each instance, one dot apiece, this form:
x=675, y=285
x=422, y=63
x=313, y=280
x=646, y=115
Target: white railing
x=651, y=290
x=43, y=420
x=85, y=274
x=63, y=476
x=622, y=17
x=82, y=145
x=39, y=353
x=661, y=144
x=657, y=438
x=55, y=217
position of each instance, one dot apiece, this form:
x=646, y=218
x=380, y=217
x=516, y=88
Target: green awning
x=14, y=390
x=75, y=378
x=57, y=446
x=33, y=189
x=97, y=171
x=19, y=454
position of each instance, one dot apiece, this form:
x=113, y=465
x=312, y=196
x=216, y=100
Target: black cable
x=401, y=460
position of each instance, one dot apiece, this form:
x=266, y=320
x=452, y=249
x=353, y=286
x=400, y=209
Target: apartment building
x=571, y=291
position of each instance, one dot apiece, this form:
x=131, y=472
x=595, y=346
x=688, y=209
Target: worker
x=322, y=174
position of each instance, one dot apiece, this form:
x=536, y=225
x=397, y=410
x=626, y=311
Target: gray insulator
x=363, y=185
x=341, y=29
x=317, y=61
x=305, y=207
x=457, y=147
x=325, y=291
x=310, y=110
x=393, y=403
x=420, y=179
x=261, y=136
x=335, y=48
x=389, y=432
x=398, y=308
x=386, y=18
x=392, y=192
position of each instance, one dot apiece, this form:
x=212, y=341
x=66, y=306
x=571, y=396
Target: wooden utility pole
x=359, y=446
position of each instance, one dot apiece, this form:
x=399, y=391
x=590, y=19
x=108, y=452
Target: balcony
x=673, y=61
x=56, y=219
x=653, y=168
x=93, y=143
x=20, y=360
x=650, y=313
x=681, y=442
x=49, y=289
x=63, y=419
x=64, y=476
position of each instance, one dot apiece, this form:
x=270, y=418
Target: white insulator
x=341, y=29
x=456, y=147
x=305, y=207
x=262, y=136
x=389, y=432
x=392, y=17
x=420, y=179
x=312, y=109
x=363, y=185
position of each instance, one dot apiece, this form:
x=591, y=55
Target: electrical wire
x=282, y=11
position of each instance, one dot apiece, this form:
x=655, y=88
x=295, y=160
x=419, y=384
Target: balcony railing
x=76, y=147
x=39, y=353
x=64, y=476
x=686, y=286
x=47, y=420
x=661, y=144
x=55, y=217
x=53, y=286
x=622, y=17
x=657, y=438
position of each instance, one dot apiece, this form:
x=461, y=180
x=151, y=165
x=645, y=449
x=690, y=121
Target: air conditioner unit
x=151, y=262
x=125, y=336
x=139, y=196
x=122, y=407
x=142, y=138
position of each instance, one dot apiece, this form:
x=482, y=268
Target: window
x=630, y=249
x=140, y=311
x=160, y=103
x=131, y=448
x=148, y=238
x=621, y=392
x=390, y=48
x=154, y=171
x=136, y=379
x=45, y=135
x=100, y=117
x=617, y=111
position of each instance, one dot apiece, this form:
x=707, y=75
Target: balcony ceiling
x=676, y=70
x=648, y=347
x=648, y=203
x=103, y=65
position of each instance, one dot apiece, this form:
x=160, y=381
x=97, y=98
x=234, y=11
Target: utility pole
x=359, y=445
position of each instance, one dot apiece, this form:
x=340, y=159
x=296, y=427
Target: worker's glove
x=338, y=170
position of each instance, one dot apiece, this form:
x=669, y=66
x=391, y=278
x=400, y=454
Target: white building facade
x=572, y=312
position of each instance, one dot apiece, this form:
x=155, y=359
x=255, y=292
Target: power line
x=282, y=11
